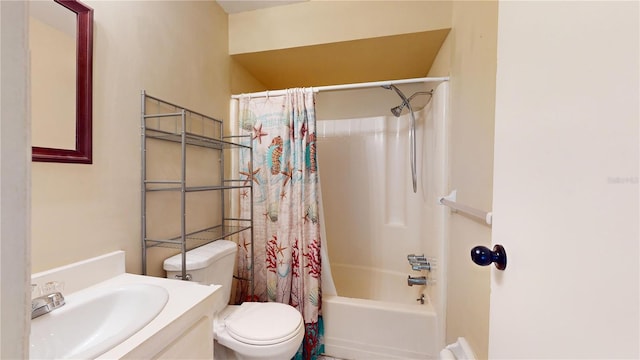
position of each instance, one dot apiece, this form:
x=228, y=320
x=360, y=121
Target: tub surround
x=375, y=313
x=183, y=327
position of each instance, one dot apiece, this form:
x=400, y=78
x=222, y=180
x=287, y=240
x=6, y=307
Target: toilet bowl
x=237, y=329
x=459, y=350
x=252, y=330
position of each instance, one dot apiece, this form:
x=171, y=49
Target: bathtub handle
x=413, y=258
x=421, y=266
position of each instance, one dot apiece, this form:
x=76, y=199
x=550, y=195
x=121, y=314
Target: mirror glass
x=60, y=43
x=52, y=42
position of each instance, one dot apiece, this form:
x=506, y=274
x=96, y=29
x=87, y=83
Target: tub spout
x=417, y=280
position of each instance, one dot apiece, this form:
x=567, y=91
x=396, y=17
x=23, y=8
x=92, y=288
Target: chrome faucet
x=421, y=266
x=419, y=262
x=413, y=258
x=46, y=303
x=418, y=280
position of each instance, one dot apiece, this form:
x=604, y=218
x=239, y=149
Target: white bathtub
x=373, y=221
x=394, y=327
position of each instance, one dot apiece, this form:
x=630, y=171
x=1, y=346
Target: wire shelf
x=199, y=237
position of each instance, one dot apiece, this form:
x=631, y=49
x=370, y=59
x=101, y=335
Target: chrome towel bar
x=450, y=201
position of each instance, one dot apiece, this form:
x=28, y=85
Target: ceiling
x=236, y=6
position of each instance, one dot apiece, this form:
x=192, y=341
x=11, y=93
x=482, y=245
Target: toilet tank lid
x=202, y=256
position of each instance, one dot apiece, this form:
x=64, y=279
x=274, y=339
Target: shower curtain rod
x=347, y=86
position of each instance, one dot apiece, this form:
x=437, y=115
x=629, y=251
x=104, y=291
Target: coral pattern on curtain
x=285, y=206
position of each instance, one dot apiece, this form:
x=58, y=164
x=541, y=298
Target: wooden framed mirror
x=76, y=87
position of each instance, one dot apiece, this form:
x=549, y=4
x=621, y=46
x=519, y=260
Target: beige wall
x=319, y=22
x=472, y=45
x=174, y=50
x=242, y=81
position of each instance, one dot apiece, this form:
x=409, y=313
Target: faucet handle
x=53, y=287
x=421, y=266
x=57, y=299
x=35, y=291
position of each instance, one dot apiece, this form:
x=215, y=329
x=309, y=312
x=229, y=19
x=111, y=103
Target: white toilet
x=251, y=331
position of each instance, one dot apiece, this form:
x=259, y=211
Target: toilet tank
x=210, y=264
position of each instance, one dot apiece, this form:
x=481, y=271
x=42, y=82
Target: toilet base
x=281, y=351
x=220, y=352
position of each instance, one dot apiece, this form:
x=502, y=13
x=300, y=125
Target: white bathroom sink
x=95, y=320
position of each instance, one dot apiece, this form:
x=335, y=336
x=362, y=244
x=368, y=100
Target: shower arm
x=398, y=109
x=412, y=133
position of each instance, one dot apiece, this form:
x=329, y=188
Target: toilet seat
x=264, y=323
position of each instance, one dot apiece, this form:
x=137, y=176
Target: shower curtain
x=286, y=228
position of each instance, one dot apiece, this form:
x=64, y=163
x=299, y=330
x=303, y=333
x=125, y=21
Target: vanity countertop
x=188, y=302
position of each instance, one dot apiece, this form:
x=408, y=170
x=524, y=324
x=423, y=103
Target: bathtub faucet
x=419, y=262
x=416, y=258
x=421, y=266
x=417, y=280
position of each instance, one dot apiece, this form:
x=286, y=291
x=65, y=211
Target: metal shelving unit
x=166, y=122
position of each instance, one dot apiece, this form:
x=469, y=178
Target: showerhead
x=396, y=111
x=412, y=129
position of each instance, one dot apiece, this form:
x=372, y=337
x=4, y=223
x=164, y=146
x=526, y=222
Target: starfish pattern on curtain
x=286, y=227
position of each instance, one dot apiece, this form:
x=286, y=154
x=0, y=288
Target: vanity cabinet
x=186, y=197
x=194, y=343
